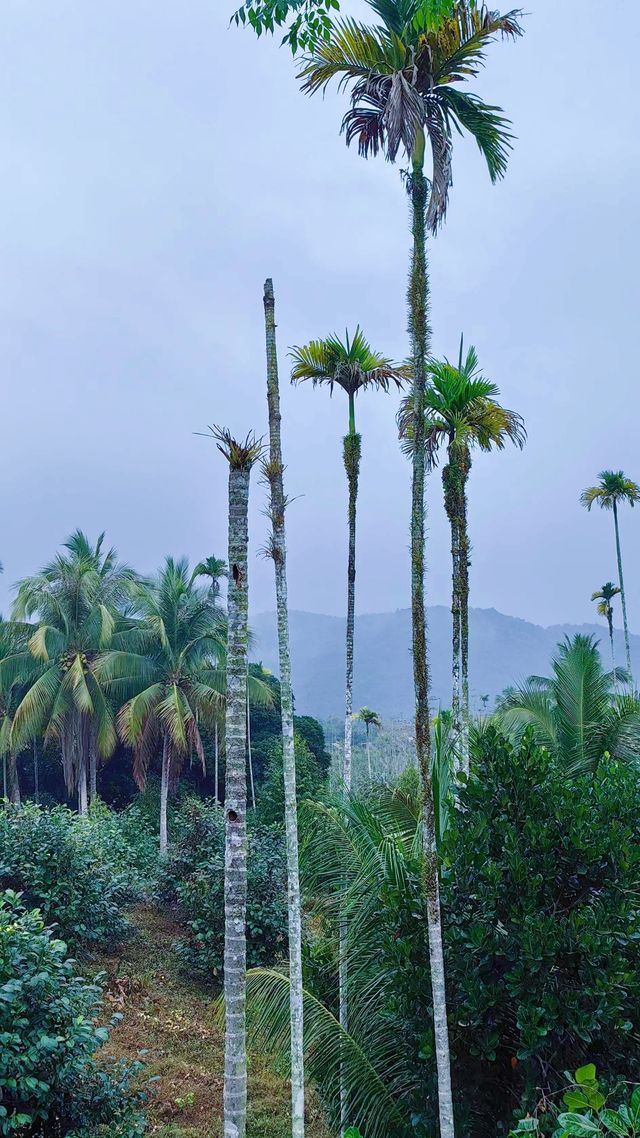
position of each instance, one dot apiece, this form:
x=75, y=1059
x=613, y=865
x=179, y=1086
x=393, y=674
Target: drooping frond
x=613, y=487
x=350, y=363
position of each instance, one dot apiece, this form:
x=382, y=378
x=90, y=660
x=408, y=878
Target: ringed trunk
x=14, y=779
x=420, y=334
x=235, y=854
x=352, y=451
x=164, y=796
x=465, y=561
x=279, y=550
x=623, y=597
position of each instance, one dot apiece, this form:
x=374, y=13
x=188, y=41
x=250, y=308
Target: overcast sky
x=157, y=165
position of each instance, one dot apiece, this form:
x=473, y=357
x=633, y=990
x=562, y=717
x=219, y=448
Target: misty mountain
x=504, y=650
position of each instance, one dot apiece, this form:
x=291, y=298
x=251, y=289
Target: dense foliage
x=51, y=1084
x=77, y=871
x=194, y=878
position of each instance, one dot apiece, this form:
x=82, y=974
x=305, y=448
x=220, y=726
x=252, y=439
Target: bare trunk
x=93, y=772
x=36, y=774
x=623, y=597
x=420, y=333
x=465, y=560
x=369, y=756
x=164, y=795
x=449, y=477
x=278, y=507
x=249, y=755
x=83, y=805
x=235, y=863
x=216, y=767
x=352, y=450
x=14, y=780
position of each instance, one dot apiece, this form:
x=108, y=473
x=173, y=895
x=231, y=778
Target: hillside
x=504, y=649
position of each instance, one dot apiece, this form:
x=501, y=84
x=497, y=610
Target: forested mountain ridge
x=504, y=650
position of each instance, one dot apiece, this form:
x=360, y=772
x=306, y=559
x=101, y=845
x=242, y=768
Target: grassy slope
x=174, y=1022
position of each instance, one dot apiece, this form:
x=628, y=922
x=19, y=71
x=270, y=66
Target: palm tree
x=576, y=713
x=613, y=488
x=353, y=366
x=213, y=568
x=461, y=412
x=167, y=673
x=274, y=475
x=241, y=457
x=604, y=596
x=78, y=599
x=404, y=75
x=13, y=641
x=370, y=719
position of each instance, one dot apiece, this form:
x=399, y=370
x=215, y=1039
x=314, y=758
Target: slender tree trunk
x=369, y=755
x=164, y=795
x=613, y=651
x=36, y=774
x=235, y=870
x=83, y=807
x=14, y=779
x=420, y=335
x=5, y=794
x=93, y=772
x=623, y=596
x=451, y=501
x=275, y=472
x=465, y=557
x=216, y=767
x=249, y=754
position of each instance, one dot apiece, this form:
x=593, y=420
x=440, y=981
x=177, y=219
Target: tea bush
x=50, y=1081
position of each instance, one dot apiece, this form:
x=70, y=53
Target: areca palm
x=613, y=489
x=404, y=76
x=575, y=712
x=167, y=673
x=77, y=600
x=604, y=597
x=352, y=365
x=462, y=412
x=214, y=568
x=370, y=719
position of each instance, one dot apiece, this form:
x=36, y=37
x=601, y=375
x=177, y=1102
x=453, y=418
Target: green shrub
x=587, y=1111
x=60, y=863
x=310, y=780
x=50, y=1081
x=194, y=877
x=128, y=843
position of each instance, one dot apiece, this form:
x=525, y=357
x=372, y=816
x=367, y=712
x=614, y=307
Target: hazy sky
x=157, y=165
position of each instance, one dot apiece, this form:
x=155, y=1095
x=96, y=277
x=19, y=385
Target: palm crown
x=461, y=408
x=605, y=596
x=613, y=487
x=369, y=717
x=404, y=75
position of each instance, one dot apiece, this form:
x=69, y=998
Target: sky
x=158, y=165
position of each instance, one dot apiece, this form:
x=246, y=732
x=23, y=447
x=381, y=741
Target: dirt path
x=172, y=1021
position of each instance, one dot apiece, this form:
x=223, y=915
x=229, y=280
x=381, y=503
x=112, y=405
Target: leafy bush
x=194, y=877
x=591, y=1113
x=50, y=1082
x=309, y=780
x=127, y=842
x=62, y=865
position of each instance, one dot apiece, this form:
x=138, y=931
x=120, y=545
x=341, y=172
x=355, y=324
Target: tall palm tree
x=576, y=712
x=370, y=719
x=241, y=457
x=274, y=475
x=404, y=74
x=166, y=673
x=604, y=597
x=77, y=599
x=614, y=488
x=353, y=366
x=213, y=568
x=461, y=412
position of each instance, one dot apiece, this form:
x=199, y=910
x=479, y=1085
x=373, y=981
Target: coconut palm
x=213, y=568
x=241, y=457
x=274, y=476
x=353, y=366
x=461, y=412
x=604, y=597
x=370, y=719
x=77, y=599
x=613, y=489
x=576, y=712
x=404, y=76
x=167, y=674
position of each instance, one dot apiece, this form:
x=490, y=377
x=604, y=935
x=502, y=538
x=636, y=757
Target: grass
x=169, y=1021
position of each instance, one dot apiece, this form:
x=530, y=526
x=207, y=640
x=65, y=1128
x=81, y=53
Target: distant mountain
x=504, y=650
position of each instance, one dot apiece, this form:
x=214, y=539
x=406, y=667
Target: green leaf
x=586, y=1074
x=614, y=1123
x=578, y=1125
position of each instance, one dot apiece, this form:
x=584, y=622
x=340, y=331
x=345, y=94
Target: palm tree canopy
x=368, y=717
x=613, y=487
x=461, y=407
x=350, y=363
x=404, y=75
x=606, y=593
x=575, y=712
x=212, y=567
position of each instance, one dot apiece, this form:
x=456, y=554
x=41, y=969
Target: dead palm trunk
x=164, y=794
x=623, y=597
x=274, y=471
x=13, y=779
x=240, y=458
x=420, y=334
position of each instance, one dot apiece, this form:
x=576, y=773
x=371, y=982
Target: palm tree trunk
x=249, y=754
x=14, y=780
x=235, y=861
x=164, y=795
x=420, y=334
x=83, y=807
x=623, y=597
x=449, y=479
x=36, y=774
x=216, y=767
x=369, y=755
x=464, y=612
x=352, y=451
x=93, y=772
x=279, y=551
